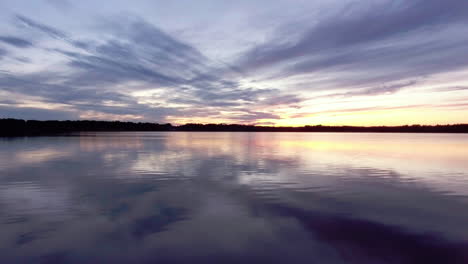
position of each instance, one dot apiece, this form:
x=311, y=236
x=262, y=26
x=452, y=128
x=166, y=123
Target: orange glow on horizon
x=400, y=117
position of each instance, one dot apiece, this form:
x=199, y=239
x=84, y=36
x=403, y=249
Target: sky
x=263, y=62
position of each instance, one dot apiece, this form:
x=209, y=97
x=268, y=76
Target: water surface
x=234, y=198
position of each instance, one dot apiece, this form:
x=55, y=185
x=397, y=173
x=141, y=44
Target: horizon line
x=228, y=124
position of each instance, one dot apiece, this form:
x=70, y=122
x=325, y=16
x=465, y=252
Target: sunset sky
x=329, y=62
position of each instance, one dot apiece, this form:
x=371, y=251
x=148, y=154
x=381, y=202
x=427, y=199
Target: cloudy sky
x=282, y=62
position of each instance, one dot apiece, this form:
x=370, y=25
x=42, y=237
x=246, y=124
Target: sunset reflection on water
x=262, y=197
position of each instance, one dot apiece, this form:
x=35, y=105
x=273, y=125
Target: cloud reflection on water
x=232, y=197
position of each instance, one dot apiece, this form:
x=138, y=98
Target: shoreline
x=21, y=128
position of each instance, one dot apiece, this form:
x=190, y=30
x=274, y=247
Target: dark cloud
x=252, y=116
x=23, y=59
x=55, y=33
x=386, y=64
x=264, y=124
x=383, y=89
x=138, y=51
x=289, y=99
x=39, y=85
x=15, y=41
x=370, y=49
x=370, y=44
x=8, y=102
x=3, y=52
x=82, y=99
x=195, y=102
x=36, y=113
x=135, y=51
x=244, y=95
x=354, y=25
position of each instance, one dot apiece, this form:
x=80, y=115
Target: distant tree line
x=458, y=128
x=18, y=127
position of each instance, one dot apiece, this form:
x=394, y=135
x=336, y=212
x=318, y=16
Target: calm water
x=234, y=198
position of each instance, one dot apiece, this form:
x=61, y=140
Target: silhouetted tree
x=17, y=127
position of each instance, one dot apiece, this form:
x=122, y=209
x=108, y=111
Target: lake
x=181, y=197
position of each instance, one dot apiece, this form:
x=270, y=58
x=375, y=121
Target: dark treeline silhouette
x=458, y=128
x=17, y=127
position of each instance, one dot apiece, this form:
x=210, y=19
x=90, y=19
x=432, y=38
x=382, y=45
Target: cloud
x=23, y=59
x=146, y=191
x=97, y=69
x=383, y=89
x=135, y=51
x=32, y=113
x=124, y=62
x=52, y=32
x=353, y=26
x=55, y=33
x=345, y=111
x=252, y=116
x=8, y=102
x=61, y=5
x=15, y=41
x=452, y=105
x=289, y=99
x=3, y=52
x=368, y=44
x=452, y=88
